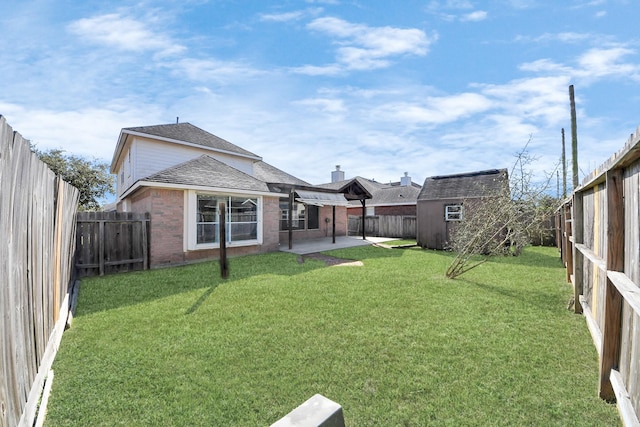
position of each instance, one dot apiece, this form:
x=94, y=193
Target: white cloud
x=90, y=132
x=434, y=110
x=449, y=4
x=545, y=65
x=282, y=17
x=564, y=37
x=603, y=62
x=362, y=47
x=123, y=33
x=314, y=70
x=478, y=15
x=213, y=70
x=323, y=105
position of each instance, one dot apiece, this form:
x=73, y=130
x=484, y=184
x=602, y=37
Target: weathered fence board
x=111, y=242
x=37, y=217
x=606, y=270
x=384, y=226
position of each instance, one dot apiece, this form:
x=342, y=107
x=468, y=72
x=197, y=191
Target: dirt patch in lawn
x=330, y=261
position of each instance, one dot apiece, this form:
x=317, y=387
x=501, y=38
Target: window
x=208, y=220
x=304, y=217
x=241, y=219
x=453, y=212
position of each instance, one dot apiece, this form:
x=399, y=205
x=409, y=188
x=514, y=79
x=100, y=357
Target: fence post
x=568, y=233
x=101, y=245
x=578, y=258
x=613, y=300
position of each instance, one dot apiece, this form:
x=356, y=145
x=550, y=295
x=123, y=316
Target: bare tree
x=501, y=222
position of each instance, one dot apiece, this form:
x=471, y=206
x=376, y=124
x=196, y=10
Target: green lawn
x=393, y=341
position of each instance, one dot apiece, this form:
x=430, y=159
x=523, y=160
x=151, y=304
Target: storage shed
x=441, y=202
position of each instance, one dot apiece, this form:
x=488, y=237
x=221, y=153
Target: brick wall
x=271, y=224
x=326, y=228
x=166, y=238
x=167, y=214
x=403, y=210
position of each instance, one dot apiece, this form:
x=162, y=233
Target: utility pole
x=564, y=169
x=574, y=137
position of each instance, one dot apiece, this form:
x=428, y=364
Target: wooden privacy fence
x=37, y=225
x=384, y=226
x=599, y=239
x=111, y=242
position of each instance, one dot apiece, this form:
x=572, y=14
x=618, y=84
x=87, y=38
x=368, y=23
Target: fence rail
x=598, y=237
x=37, y=224
x=384, y=226
x=112, y=242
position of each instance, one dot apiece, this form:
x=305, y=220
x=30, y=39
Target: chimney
x=337, y=175
x=405, y=181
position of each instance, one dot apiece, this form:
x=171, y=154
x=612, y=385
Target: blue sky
x=378, y=87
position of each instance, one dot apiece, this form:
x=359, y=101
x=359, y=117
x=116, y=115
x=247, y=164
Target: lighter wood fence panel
x=603, y=281
x=632, y=222
x=36, y=224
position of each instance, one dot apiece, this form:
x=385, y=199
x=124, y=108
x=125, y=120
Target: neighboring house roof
x=395, y=195
x=205, y=171
x=180, y=133
x=381, y=194
x=465, y=185
x=270, y=174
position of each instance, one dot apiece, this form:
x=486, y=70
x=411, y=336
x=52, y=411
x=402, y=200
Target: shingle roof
x=382, y=194
x=395, y=195
x=267, y=173
x=464, y=185
x=186, y=132
x=206, y=171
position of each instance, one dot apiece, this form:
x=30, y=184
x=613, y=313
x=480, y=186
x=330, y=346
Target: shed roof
x=464, y=185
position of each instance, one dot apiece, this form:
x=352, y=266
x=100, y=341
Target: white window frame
x=453, y=212
x=190, y=220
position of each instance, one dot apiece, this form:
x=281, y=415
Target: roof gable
x=181, y=134
x=186, y=132
x=465, y=185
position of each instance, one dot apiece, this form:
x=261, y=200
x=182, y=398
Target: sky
x=378, y=87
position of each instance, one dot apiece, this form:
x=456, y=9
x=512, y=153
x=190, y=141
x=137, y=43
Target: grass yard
x=393, y=341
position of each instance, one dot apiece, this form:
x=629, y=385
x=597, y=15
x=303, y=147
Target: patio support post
x=291, y=196
x=333, y=223
x=224, y=264
x=364, y=211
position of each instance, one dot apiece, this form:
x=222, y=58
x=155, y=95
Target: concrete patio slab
x=326, y=244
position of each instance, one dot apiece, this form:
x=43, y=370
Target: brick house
x=181, y=174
